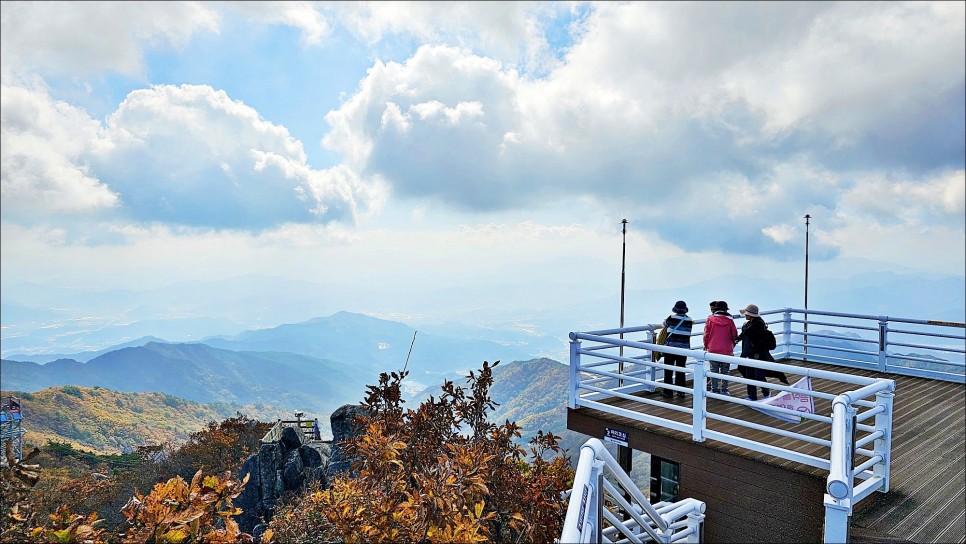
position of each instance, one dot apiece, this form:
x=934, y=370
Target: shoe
x=751, y=399
x=725, y=393
x=680, y=395
x=715, y=391
x=667, y=394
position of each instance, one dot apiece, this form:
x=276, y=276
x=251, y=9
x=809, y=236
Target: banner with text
x=791, y=400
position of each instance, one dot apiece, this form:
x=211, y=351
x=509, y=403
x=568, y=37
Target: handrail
x=594, y=500
x=275, y=433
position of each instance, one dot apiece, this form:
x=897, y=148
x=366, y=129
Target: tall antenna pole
x=620, y=364
x=805, y=342
x=624, y=457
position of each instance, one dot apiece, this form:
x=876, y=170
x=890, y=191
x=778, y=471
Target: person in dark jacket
x=753, y=346
x=679, y=336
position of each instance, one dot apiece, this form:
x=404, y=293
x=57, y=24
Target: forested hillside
x=107, y=421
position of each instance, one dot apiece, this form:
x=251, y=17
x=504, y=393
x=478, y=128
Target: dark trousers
x=753, y=373
x=680, y=378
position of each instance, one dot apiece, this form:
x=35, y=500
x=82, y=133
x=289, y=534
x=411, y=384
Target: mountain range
x=42, y=320
x=315, y=366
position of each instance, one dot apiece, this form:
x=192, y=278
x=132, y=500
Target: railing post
x=841, y=470
x=574, y=372
x=649, y=338
x=883, y=446
x=883, y=342
x=787, y=333
x=838, y=496
x=599, y=500
x=836, y=520
x=699, y=401
x=695, y=521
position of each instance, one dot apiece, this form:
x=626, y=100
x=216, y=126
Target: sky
x=416, y=146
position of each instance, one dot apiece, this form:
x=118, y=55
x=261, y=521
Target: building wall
x=747, y=500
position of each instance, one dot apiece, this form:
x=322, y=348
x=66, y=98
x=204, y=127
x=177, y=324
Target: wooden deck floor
x=927, y=498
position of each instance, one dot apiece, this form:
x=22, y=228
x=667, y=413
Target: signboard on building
x=615, y=436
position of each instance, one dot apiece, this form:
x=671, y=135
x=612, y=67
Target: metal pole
x=805, y=341
x=623, y=452
x=620, y=364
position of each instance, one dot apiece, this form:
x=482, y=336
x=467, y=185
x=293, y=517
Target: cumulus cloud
x=301, y=15
x=43, y=168
x=933, y=199
x=721, y=135
x=45, y=36
x=187, y=155
x=514, y=32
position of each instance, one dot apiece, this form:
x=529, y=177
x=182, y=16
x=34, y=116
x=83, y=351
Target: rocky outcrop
x=286, y=465
x=344, y=425
x=291, y=464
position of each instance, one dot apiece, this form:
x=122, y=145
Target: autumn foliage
x=176, y=512
x=440, y=473
x=173, y=512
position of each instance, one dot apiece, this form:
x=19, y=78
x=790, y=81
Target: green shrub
x=72, y=390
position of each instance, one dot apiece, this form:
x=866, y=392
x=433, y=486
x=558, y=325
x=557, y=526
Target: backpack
x=661, y=339
x=770, y=341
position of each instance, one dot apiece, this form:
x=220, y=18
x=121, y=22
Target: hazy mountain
x=84, y=356
x=202, y=373
x=40, y=319
x=374, y=344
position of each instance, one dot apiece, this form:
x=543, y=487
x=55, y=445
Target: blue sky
x=434, y=145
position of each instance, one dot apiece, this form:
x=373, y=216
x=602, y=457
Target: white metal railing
x=856, y=445
x=606, y=506
x=595, y=377
x=912, y=347
x=304, y=426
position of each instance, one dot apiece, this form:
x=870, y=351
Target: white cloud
x=186, y=155
x=300, y=15
x=734, y=117
x=43, y=170
x=509, y=31
x=930, y=200
x=71, y=38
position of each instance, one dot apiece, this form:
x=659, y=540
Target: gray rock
x=279, y=485
x=344, y=425
x=318, y=474
x=311, y=457
x=292, y=438
x=293, y=471
x=269, y=461
x=250, y=500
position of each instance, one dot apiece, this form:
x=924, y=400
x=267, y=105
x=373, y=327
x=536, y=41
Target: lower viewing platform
x=860, y=449
x=928, y=482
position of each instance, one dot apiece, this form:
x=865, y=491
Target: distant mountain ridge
x=44, y=319
x=202, y=373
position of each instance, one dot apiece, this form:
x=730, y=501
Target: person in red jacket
x=720, y=334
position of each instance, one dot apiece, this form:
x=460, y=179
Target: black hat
x=680, y=307
x=720, y=306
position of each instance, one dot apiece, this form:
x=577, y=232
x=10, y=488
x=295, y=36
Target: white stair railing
x=602, y=510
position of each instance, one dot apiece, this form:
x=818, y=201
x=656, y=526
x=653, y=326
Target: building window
x=665, y=477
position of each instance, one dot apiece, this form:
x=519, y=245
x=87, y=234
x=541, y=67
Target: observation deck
x=877, y=455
